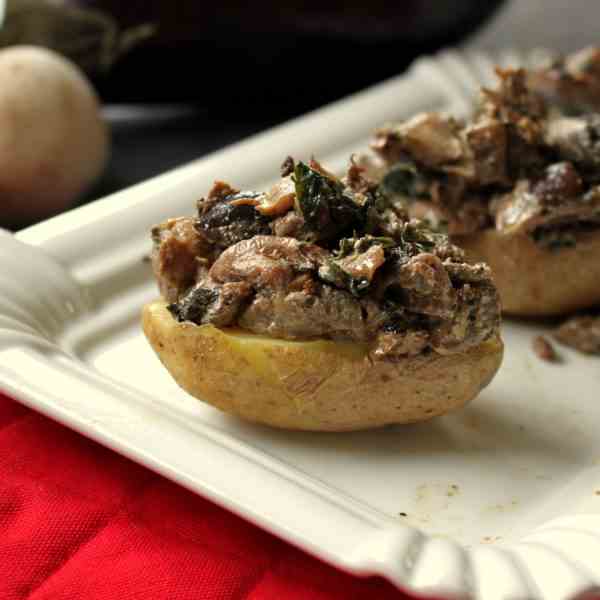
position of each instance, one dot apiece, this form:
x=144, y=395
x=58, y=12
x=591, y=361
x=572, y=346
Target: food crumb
x=581, y=332
x=287, y=166
x=489, y=539
x=544, y=349
x=453, y=489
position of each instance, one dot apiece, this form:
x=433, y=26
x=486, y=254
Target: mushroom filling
x=524, y=163
x=317, y=256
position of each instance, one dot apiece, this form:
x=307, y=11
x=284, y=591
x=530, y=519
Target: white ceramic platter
x=500, y=500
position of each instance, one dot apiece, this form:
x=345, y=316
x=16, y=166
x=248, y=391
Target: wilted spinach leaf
x=325, y=205
x=355, y=245
x=404, y=179
x=332, y=273
x=418, y=238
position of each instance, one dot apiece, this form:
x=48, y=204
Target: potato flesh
x=313, y=385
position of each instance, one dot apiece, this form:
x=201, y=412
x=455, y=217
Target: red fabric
x=79, y=521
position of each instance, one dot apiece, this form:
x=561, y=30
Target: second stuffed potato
x=516, y=186
x=534, y=281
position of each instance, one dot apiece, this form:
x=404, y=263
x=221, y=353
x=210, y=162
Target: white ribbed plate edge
x=498, y=501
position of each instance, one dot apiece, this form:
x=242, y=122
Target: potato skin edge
x=317, y=386
x=536, y=282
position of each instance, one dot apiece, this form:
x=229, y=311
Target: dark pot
x=277, y=57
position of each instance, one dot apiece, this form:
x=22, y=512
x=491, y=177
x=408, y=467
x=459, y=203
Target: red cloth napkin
x=80, y=521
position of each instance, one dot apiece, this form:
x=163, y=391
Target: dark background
x=212, y=76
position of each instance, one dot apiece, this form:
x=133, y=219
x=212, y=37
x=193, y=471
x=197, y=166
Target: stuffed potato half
x=516, y=186
x=315, y=305
x=534, y=281
x=319, y=385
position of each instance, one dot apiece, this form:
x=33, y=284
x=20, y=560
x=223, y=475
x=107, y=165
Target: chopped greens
x=327, y=208
x=404, y=179
x=331, y=272
x=416, y=235
x=336, y=272
x=355, y=245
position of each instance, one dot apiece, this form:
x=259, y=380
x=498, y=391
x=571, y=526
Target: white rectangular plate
x=500, y=500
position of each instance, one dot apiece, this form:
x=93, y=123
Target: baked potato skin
x=314, y=385
x=534, y=281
